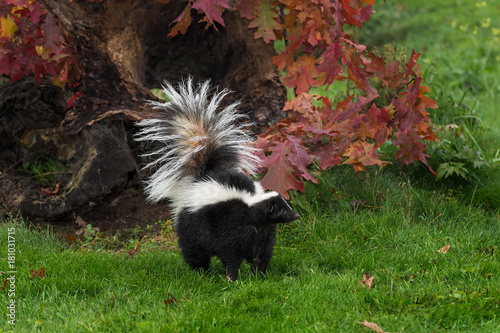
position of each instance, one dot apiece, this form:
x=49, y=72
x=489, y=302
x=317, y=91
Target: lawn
x=312, y=283
x=429, y=249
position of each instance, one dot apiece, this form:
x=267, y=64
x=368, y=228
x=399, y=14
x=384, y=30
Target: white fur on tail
x=191, y=124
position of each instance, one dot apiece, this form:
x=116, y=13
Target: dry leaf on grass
x=171, y=300
x=4, y=284
x=71, y=238
x=372, y=326
x=444, y=249
x=38, y=274
x=367, y=280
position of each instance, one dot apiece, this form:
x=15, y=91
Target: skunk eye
x=282, y=211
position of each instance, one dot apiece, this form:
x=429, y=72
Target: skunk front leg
x=266, y=249
x=232, y=267
x=262, y=260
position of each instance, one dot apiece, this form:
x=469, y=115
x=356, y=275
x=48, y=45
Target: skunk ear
x=271, y=206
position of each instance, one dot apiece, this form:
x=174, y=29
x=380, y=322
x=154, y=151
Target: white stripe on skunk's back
x=210, y=192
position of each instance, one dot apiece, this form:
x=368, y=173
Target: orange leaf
x=444, y=249
x=367, y=280
x=361, y=154
x=302, y=74
x=372, y=326
x=183, y=22
x=71, y=238
x=302, y=103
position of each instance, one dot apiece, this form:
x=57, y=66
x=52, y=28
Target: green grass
x=380, y=222
x=312, y=282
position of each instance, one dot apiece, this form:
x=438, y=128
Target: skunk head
x=272, y=209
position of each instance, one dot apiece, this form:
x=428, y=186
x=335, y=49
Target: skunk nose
x=290, y=216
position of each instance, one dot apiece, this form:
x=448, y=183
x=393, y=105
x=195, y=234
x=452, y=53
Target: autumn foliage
x=389, y=102
x=386, y=99
x=33, y=43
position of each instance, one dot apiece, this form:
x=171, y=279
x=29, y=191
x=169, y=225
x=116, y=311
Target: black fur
x=232, y=230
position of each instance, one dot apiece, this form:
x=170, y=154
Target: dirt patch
x=126, y=211
x=129, y=210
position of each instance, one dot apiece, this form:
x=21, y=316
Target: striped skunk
x=201, y=157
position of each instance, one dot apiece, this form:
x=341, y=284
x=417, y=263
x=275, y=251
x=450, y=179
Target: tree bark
x=124, y=51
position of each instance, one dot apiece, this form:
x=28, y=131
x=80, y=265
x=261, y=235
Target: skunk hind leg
x=197, y=261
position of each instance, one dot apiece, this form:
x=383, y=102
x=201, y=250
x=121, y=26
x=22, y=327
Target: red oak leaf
x=303, y=108
x=329, y=62
x=374, y=125
x=351, y=108
x=265, y=22
x=54, y=40
x=328, y=155
x=18, y=3
x=299, y=157
x=282, y=60
x=302, y=74
x=183, y=22
x=316, y=135
x=35, y=12
x=361, y=154
x=412, y=69
x=390, y=74
x=411, y=149
x=406, y=113
x=302, y=103
x=365, y=13
x=212, y=10
x=280, y=175
x=246, y=8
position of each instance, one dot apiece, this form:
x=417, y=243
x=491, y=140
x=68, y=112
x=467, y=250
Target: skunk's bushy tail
x=194, y=137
